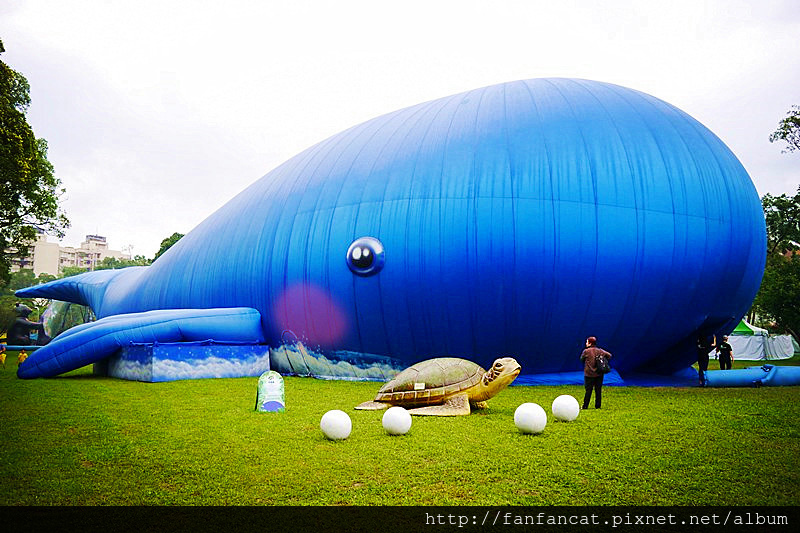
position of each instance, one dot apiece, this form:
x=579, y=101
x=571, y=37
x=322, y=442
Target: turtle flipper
x=372, y=406
x=480, y=405
x=454, y=406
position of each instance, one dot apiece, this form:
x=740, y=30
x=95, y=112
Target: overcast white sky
x=158, y=112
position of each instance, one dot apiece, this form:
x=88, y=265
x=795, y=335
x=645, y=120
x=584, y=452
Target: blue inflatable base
x=754, y=376
x=564, y=378
x=684, y=378
x=16, y=348
x=155, y=362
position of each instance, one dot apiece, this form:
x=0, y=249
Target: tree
x=112, y=262
x=778, y=299
x=789, y=130
x=782, y=214
x=68, y=271
x=167, y=243
x=29, y=191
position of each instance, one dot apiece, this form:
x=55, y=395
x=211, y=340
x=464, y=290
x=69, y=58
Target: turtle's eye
x=365, y=256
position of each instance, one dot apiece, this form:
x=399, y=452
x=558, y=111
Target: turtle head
x=499, y=376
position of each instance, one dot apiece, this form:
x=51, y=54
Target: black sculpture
x=19, y=332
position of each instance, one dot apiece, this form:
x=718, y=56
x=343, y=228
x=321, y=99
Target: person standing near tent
x=725, y=351
x=592, y=375
x=704, y=346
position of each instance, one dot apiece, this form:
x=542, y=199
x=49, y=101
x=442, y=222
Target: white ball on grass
x=336, y=425
x=566, y=408
x=396, y=421
x=530, y=418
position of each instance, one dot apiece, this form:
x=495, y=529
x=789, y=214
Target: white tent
x=761, y=347
x=751, y=343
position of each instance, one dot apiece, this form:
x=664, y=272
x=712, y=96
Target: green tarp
x=743, y=328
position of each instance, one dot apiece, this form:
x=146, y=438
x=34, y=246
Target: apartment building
x=51, y=258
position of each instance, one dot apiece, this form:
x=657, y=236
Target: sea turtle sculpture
x=445, y=386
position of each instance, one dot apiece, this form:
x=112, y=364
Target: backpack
x=602, y=364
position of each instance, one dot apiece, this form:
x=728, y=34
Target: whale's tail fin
x=84, y=289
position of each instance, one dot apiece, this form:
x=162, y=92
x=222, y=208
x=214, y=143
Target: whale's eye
x=365, y=256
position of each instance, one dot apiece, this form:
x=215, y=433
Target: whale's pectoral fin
x=94, y=341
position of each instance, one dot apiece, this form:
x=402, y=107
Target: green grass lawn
x=86, y=440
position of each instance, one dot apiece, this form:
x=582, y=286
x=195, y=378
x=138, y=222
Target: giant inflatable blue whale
x=515, y=219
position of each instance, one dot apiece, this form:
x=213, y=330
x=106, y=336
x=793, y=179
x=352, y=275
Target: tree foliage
x=112, y=262
x=29, y=191
x=789, y=130
x=778, y=299
x=782, y=214
x=167, y=243
x=68, y=271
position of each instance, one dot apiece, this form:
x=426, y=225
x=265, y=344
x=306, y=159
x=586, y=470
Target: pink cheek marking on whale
x=311, y=315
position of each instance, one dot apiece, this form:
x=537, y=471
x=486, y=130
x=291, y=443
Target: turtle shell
x=430, y=382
